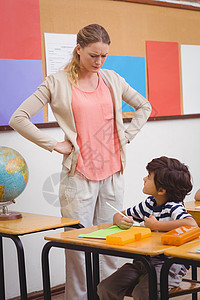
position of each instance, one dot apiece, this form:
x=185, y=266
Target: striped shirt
x=166, y=212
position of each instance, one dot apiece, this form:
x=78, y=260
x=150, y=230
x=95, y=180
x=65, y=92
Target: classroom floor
x=186, y=297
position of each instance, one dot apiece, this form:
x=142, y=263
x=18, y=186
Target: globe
x=13, y=179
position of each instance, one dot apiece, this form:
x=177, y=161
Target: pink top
x=97, y=136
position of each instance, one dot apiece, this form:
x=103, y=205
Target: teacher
x=87, y=104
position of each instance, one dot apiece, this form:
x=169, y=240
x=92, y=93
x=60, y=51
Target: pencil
x=117, y=210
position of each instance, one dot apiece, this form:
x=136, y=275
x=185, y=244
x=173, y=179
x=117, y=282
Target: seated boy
x=168, y=182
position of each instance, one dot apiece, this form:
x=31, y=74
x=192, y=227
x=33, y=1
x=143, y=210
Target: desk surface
x=30, y=223
x=187, y=250
x=147, y=246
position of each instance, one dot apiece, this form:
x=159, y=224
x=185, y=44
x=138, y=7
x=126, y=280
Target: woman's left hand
x=64, y=147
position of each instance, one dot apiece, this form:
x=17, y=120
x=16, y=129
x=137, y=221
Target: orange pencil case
x=128, y=236
x=180, y=235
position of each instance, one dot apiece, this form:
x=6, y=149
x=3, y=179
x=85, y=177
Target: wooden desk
x=191, y=208
x=184, y=254
x=29, y=223
x=70, y=240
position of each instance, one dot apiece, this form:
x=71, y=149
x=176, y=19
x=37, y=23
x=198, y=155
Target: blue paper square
x=19, y=79
x=132, y=69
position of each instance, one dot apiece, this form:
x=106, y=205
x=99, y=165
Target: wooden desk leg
x=164, y=278
x=194, y=277
x=164, y=275
x=88, y=264
x=21, y=266
x=152, y=276
x=95, y=274
x=45, y=271
x=2, y=282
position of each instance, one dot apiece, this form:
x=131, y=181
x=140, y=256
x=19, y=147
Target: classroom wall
x=177, y=138
x=126, y=23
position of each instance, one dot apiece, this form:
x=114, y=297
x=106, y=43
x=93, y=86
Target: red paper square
x=20, y=29
x=163, y=78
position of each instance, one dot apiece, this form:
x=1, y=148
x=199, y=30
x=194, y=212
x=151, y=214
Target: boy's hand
x=151, y=222
x=123, y=222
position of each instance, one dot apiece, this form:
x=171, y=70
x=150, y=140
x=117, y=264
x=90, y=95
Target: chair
x=187, y=286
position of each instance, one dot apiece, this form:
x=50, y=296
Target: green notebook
x=101, y=233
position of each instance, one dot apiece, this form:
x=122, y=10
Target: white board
x=190, y=64
x=58, y=51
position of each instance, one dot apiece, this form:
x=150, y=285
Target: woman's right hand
x=64, y=147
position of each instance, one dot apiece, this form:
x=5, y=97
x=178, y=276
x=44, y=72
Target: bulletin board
x=185, y=4
x=130, y=26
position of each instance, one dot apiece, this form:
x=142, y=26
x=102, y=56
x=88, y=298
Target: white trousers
x=85, y=200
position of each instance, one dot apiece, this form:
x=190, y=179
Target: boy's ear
x=161, y=191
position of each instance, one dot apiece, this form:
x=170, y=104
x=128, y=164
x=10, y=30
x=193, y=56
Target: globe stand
x=6, y=215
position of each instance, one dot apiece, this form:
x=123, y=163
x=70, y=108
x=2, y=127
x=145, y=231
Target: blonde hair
x=92, y=33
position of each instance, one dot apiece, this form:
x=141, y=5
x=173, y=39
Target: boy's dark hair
x=171, y=175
